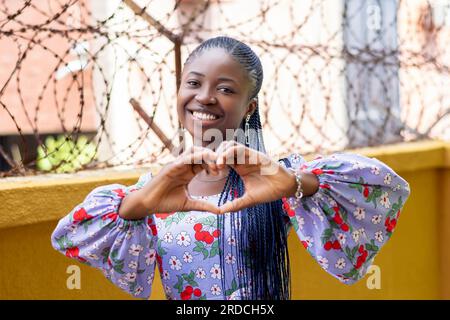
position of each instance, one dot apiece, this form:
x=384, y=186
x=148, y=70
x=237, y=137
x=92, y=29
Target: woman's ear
x=251, y=107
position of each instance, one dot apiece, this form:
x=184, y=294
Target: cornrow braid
x=262, y=260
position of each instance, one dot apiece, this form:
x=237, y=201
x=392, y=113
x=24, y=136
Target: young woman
x=217, y=227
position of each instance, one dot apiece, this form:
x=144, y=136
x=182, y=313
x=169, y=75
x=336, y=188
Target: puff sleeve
x=351, y=216
x=94, y=234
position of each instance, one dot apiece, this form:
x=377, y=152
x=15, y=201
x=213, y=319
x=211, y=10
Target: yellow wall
x=413, y=264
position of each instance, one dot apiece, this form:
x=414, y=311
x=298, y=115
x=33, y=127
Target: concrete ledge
x=36, y=199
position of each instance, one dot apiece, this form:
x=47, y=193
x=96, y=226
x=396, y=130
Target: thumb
x=235, y=205
x=201, y=205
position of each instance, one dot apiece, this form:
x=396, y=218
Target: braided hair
x=262, y=260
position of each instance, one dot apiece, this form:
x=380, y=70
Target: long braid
x=260, y=235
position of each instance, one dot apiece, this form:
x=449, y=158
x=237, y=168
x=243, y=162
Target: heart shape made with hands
x=264, y=180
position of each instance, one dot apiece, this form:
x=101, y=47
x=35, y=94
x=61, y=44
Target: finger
x=233, y=155
x=201, y=205
x=235, y=205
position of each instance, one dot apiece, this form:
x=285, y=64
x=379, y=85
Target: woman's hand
x=264, y=180
x=167, y=191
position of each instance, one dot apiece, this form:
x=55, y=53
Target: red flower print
x=336, y=245
x=338, y=219
x=209, y=238
x=154, y=230
x=344, y=227
x=120, y=193
x=189, y=289
x=197, y=292
x=111, y=215
x=198, y=227
x=81, y=215
x=361, y=249
x=391, y=225
x=328, y=245
x=72, y=252
x=185, y=296
x=216, y=233
x=159, y=261
x=305, y=244
x=317, y=171
x=291, y=213
x=366, y=191
x=325, y=186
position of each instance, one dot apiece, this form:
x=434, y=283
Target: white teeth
x=204, y=116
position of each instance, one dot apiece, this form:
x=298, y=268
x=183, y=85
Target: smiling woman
x=228, y=206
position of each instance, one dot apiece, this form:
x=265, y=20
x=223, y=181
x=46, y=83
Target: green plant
x=64, y=155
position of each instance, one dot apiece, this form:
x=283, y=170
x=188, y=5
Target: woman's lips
x=206, y=120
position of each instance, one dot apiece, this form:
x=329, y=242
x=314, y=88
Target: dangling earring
x=247, y=130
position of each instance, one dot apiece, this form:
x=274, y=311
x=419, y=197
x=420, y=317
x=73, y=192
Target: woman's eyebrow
x=220, y=79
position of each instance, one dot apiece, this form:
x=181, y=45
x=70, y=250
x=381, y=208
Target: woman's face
x=213, y=94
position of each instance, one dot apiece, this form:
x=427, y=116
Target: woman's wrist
x=309, y=184
x=133, y=207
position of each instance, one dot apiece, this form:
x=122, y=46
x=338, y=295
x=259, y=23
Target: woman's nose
x=205, y=97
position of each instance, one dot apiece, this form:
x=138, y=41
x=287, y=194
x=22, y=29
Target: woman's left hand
x=265, y=180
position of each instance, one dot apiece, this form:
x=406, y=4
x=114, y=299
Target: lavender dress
x=343, y=226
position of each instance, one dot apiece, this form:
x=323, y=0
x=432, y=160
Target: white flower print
x=323, y=262
x=167, y=289
x=362, y=233
x=358, y=165
x=300, y=221
x=73, y=228
x=150, y=257
x=231, y=241
x=375, y=170
x=240, y=272
x=138, y=290
x=341, y=238
x=355, y=235
x=122, y=283
x=130, y=277
x=379, y=236
x=168, y=237
x=129, y=235
x=332, y=202
x=150, y=278
x=317, y=213
x=187, y=257
x=174, y=263
x=309, y=241
x=384, y=200
x=215, y=290
x=92, y=256
x=133, y=265
x=376, y=219
x=359, y=213
x=190, y=219
x=183, y=239
x=353, y=200
x=230, y=259
x=216, y=272
x=200, y=273
x=118, y=241
x=387, y=178
x=166, y=275
x=135, y=249
x=340, y=263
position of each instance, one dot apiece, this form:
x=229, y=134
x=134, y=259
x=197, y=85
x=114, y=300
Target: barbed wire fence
x=88, y=84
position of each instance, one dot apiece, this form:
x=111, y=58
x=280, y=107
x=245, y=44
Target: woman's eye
x=226, y=90
x=192, y=82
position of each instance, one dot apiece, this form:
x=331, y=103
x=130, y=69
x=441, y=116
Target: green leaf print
x=175, y=218
x=326, y=235
x=179, y=284
x=160, y=249
x=332, y=167
x=209, y=221
x=351, y=274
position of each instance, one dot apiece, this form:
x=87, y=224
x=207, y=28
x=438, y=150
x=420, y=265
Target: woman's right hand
x=167, y=191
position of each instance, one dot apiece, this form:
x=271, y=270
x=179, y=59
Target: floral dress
x=343, y=226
